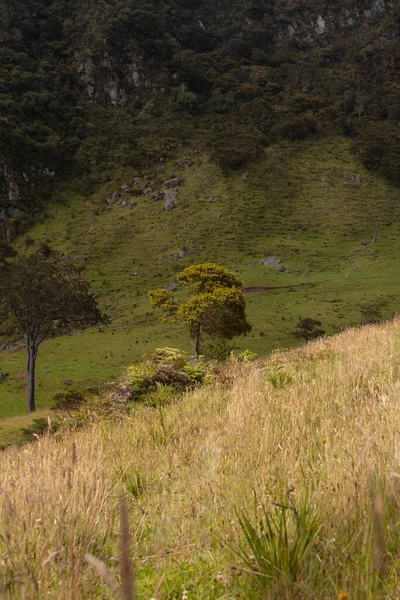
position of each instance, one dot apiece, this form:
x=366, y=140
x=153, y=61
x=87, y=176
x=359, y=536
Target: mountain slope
x=88, y=85
x=308, y=204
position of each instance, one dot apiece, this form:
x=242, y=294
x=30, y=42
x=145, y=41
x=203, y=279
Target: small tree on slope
x=216, y=305
x=44, y=298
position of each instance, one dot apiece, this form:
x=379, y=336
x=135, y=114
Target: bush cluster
x=166, y=371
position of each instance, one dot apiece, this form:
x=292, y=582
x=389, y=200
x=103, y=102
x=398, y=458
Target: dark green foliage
x=75, y=77
x=6, y=251
x=68, y=401
x=308, y=329
x=236, y=151
x=216, y=348
x=44, y=298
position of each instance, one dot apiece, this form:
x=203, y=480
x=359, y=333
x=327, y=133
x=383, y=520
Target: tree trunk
x=376, y=233
x=31, y=354
x=196, y=342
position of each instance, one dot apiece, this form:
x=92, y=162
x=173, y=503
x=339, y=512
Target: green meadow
x=310, y=204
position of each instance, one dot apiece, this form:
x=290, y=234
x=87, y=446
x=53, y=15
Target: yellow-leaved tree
x=213, y=303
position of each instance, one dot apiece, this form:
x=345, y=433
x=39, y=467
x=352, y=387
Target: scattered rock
x=125, y=187
x=124, y=203
x=182, y=254
x=245, y=176
x=172, y=287
x=2, y=377
x=281, y=269
x=213, y=199
x=270, y=260
x=137, y=180
x=113, y=198
x=134, y=273
x=173, y=183
x=355, y=178
x=170, y=200
x=365, y=242
x=219, y=215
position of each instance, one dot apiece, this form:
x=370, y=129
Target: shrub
x=247, y=356
x=166, y=372
x=235, y=152
x=187, y=102
x=277, y=540
x=169, y=356
x=217, y=349
x=308, y=329
x=68, y=401
x=279, y=378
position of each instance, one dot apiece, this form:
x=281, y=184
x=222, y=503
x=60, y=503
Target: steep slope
x=316, y=427
x=87, y=85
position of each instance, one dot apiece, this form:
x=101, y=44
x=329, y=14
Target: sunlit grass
x=327, y=438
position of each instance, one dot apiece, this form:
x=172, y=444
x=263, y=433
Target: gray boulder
x=170, y=200
x=172, y=287
x=270, y=260
x=2, y=377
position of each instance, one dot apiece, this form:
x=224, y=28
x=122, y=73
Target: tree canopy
x=44, y=298
x=215, y=306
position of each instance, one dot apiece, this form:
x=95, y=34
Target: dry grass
x=324, y=419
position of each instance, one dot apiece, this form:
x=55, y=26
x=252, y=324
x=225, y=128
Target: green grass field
x=310, y=204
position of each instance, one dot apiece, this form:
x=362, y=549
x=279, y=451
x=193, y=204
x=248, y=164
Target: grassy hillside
x=309, y=203
x=314, y=427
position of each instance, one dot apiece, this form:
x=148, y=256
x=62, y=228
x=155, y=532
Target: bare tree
x=45, y=298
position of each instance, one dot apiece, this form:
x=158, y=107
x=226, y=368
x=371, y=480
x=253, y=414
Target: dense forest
x=89, y=84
